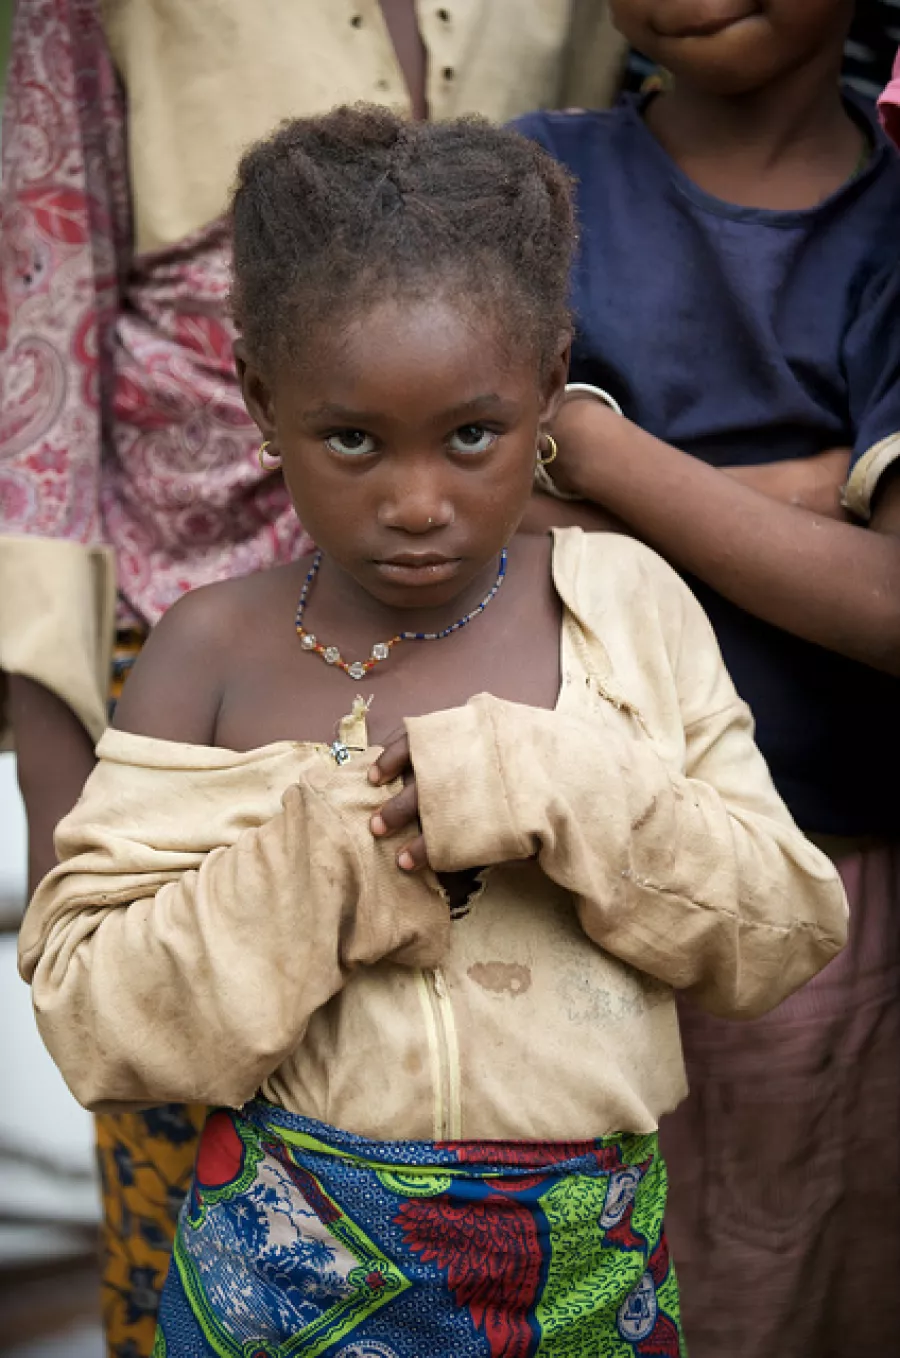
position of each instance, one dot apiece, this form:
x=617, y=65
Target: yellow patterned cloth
x=126, y=650
x=145, y=1162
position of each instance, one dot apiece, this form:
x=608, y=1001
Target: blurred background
x=48, y=1198
x=49, y=1207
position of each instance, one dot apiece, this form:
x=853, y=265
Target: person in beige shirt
x=129, y=471
x=423, y=952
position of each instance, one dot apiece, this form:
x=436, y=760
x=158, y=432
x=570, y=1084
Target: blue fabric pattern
x=297, y=1239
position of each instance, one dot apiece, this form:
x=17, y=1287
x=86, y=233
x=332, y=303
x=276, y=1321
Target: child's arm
x=698, y=877
x=813, y=483
x=196, y=988
x=832, y=583
x=54, y=755
x=178, y=951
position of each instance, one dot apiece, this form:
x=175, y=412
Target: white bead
x=331, y=655
x=308, y=642
x=381, y=650
x=357, y=670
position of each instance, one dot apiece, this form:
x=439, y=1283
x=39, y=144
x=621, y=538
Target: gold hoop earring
x=544, y=459
x=263, y=464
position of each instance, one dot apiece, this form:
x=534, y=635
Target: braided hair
x=336, y=212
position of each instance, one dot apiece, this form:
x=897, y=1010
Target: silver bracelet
x=598, y=394
x=542, y=478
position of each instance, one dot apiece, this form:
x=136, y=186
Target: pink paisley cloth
x=120, y=417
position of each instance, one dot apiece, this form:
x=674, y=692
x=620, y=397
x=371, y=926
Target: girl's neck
x=788, y=145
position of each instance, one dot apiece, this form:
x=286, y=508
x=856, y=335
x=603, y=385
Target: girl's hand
x=402, y=811
x=579, y=429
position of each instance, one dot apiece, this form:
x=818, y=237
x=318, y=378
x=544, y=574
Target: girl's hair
x=335, y=212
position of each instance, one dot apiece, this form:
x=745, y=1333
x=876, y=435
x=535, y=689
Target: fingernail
x=374, y=775
x=406, y=861
x=377, y=825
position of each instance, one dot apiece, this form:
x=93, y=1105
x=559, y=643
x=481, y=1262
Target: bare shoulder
x=175, y=689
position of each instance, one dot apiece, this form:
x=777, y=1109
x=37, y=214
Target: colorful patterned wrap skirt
x=297, y=1239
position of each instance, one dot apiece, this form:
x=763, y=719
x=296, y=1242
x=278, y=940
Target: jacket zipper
x=448, y=1111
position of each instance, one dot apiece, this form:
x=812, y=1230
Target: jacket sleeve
x=64, y=244
x=695, y=875
x=156, y=981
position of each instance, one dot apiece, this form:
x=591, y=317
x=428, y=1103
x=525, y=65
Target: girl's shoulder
x=612, y=570
x=638, y=624
x=174, y=691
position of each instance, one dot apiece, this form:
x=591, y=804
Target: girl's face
x=733, y=47
x=408, y=441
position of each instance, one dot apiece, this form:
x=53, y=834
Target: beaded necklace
x=358, y=669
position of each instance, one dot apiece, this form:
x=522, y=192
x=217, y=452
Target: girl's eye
x=351, y=443
x=472, y=438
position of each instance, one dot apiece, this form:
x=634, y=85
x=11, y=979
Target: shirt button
x=356, y=21
x=448, y=73
x=444, y=16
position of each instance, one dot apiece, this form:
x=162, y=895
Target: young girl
x=439, y=1093
x=121, y=420
x=738, y=293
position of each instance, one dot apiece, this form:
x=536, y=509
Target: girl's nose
x=416, y=507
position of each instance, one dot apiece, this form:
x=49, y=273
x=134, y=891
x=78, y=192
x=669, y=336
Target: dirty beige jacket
x=222, y=923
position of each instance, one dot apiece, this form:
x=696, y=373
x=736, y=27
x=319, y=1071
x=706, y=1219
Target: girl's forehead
x=423, y=347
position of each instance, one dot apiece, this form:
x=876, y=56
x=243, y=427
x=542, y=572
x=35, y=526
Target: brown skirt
x=784, y=1163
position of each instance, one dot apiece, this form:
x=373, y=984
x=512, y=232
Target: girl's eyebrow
x=488, y=403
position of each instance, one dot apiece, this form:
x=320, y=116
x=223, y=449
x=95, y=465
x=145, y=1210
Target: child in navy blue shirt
x=738, y=294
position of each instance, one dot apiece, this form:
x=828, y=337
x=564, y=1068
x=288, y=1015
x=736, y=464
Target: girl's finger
x=399, y=812
x=392, y=761
x=414, y=856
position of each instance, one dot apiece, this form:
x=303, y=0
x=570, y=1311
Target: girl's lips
x=428, y=571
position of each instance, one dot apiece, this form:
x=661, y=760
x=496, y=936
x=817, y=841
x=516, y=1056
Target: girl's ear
x=555, y=377
x=255, y=390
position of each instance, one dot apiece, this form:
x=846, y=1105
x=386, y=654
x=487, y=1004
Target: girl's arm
x=178, y=951
x=544, y=512
x=696, y=876
x=829, y=582
x=810, y=483
x=54, y=755
x=153, y=985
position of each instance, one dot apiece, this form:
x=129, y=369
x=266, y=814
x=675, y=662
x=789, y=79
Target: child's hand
x=579, y=431
x=401, y=811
